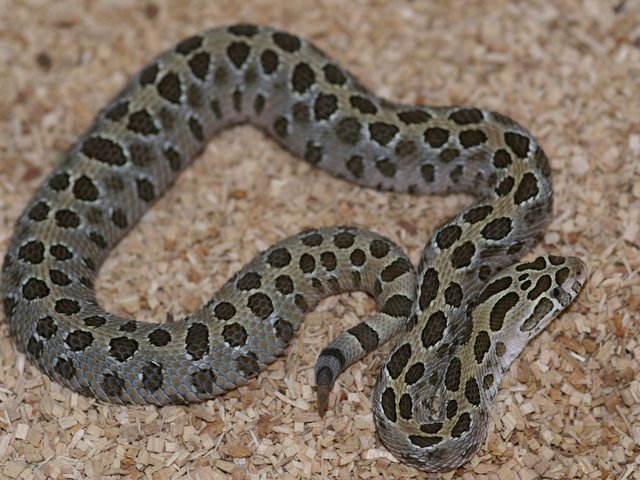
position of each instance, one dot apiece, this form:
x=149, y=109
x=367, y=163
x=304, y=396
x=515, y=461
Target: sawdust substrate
x=569, y=70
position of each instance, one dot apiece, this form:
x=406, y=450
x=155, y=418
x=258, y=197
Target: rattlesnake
x=463, y=317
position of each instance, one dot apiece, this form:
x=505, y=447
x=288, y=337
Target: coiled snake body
x=462, y=318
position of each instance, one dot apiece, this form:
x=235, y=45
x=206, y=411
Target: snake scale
x=462, y=317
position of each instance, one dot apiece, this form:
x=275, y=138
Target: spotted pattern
x=461, y=323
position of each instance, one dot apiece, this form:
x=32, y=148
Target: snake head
x=551, y=289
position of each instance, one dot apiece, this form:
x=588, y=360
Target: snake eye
x=555, y=293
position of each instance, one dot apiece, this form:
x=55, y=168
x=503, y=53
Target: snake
x=460, y=318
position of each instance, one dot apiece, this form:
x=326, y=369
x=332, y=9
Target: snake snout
x=578, y=277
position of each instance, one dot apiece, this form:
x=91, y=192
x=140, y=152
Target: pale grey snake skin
x=463, y=318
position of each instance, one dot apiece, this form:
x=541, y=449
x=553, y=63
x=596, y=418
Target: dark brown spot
x=538, y=264
x=386, y=167
x=398, y=360
x=519, y=144
x=452, y=377
x=357, y=257
x=433, y=331
x=366, y=336
x=501, y=158
x=423, y=441
x=477, y=214
x=527, y=189
x=32, y=252
x=280, y=126
x=312, y=240
x=204, y=381
x=481, y=345
x=122, y=348
x=436, y=136
x=248, y=364
x=542, y=285
x=414, y=373
x=197, y=341
x=466, y=116
x=497, y=229
x=60, y=252
x=313, y=153
x=447, y=236
x=78, y=340
x=286, y=41
x=500, y=310
x=284, y=330
x=119, y=218
x=260, y=304
x=397, y=306
x=66, y=306
x=244, y=30
x=249, y=281
x=329, y=261
x=159, y=337
x=103, y=150
x=269, y=61
x=307, y=263
x=46, y=328
x=395, y=269
x=112, y=385
x=334, y=75
x=284, y=284
x=152, y=376
x=471, y=138
x=462, y=255
x=431, y=427
x=148, y=74
x=67, y=219
x=382, y=132
x=363, y=104
x=355, y=165
x=325, y=106
x=169, y=88
x=64, y=368
x=405, y=406
x=146, y=191
x=279, y=258
x=302, y=77
x=388, y=402
x=453, y=294
x=195, y=127
x=118, y=111
x=199, y=65
x=472, y=392
x=505, y=186
x=462, y=425
x=238, y=53
x=130, y=326
x=411, y=117
x=34, y=347
x=428, y=172
x=234, y=334
x=348, y=130
x=95, y=321
x=189, y=45
x=39, y=212
x=35, y=288
x=224, y=311
x=59, y=278
x=379, y=248
x=142, y=122
x=59, y=182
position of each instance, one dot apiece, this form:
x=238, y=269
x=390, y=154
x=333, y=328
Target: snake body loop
x=462, y=317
